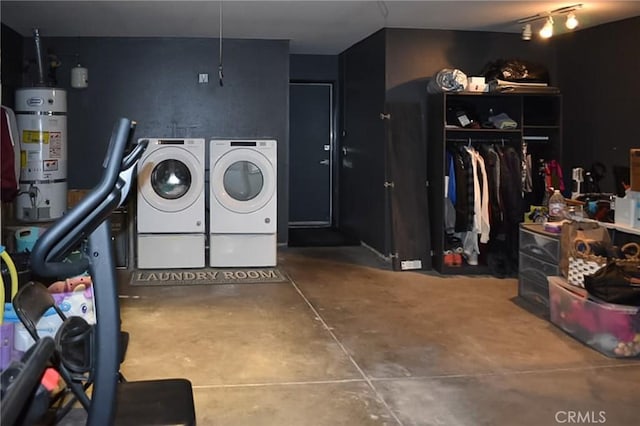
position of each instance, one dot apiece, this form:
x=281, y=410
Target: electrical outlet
x=203, y=78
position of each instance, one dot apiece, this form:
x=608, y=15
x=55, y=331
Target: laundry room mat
x=206, y=276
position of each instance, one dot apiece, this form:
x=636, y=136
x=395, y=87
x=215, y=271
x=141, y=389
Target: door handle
x=324, y=162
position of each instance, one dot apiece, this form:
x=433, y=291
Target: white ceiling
x=313, y=27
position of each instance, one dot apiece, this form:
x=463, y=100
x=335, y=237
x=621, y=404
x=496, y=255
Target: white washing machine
x=171, y=204
x=243, y=203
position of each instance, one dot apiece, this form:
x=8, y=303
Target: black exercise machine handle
x=132, y=158
x=21, y=379
x=47, y=257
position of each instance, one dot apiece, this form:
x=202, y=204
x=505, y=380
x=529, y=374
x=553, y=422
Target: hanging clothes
x=464, y=191
x=527, y=180
x=539, y=182
x=511, y=189
x=513, y=208
x=470, y=246
x=471, y=190
x=451, y=174
x=553, y=175
x=480, y=227
x=484, y=221
x=492, y=167
x=449, y=217
x=477, y=193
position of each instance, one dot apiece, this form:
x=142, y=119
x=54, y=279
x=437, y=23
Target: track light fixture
x=547, y=29
x=572, y=21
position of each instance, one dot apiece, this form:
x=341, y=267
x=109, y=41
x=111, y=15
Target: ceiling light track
x=547, y=29
x=545, y=15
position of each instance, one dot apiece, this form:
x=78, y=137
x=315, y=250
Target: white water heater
x=41, y=114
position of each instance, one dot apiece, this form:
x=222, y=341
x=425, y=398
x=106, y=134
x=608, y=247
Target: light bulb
x=547, y=29
x=572, y=21
x=526, y=32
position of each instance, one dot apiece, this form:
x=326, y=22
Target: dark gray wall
x=314, y=68
x=154, y=81
x=363, y=206
x=11, y=65
x=599, y=73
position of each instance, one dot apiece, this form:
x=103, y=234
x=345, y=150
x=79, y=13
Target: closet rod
x=484, y=140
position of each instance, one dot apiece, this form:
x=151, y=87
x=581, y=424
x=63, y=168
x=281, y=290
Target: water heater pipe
x=36, y=39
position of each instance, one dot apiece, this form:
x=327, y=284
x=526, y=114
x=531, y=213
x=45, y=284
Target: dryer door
x=243, y=180
x=171, y=179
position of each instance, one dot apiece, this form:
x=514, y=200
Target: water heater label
x=35, y=136
x=35, y=102
x=50, y=165
x=55, y=145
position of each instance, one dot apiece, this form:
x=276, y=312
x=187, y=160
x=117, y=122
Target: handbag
x=584, y=260
x=575, y=231
x=615, y=283
x=581, y=265
x=516, y=70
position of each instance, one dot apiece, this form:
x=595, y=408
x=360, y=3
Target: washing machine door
x=171, y=179
x=243, y=180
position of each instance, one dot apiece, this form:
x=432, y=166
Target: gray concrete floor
x=349, y=342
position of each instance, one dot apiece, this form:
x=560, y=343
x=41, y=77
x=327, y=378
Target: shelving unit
x=539, y=124
x=542, y=118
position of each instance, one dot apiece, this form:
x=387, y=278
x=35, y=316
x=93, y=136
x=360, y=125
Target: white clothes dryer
x=243, y=203
x=171, y=204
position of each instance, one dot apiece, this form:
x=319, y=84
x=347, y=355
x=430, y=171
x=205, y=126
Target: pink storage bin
x=613, y=330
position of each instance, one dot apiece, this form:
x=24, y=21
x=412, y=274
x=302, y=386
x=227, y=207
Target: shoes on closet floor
x=472, y=258
x=452, y=259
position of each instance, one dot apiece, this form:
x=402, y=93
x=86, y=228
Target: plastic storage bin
x=8, y=351
x=533, y=290
x=545, y=248
x=613, y=330
x=26, y=238
x=529, y=265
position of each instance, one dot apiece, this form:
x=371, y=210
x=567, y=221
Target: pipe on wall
x=36, y=39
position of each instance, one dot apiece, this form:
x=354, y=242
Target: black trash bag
x=615, y=283
x=516, y=71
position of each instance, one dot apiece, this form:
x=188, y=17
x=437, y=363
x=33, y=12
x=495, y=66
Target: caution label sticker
x=50, y=165
x=35, y=136
x=55, y=145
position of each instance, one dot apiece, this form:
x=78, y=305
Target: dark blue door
x=310, y=154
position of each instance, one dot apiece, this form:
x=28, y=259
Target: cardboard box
x=477, y=84
x=634, y=166
x=74, y=196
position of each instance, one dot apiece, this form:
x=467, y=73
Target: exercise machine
x=87, y=225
